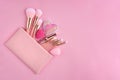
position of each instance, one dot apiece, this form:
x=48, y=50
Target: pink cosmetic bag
x=28, y=50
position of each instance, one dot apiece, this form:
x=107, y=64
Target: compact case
x=28, y=50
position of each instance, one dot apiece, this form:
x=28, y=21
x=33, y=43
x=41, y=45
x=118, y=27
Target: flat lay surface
x=91, y=27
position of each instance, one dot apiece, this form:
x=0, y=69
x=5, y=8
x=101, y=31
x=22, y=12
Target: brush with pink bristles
x=37, y=16
x=37, y=26
x=30, y=13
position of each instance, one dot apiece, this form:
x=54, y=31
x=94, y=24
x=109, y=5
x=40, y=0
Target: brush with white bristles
x=37, y=16
x=30, y=13
x=37, y=26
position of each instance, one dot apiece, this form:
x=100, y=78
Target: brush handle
x=34, y=26
x=29, y=20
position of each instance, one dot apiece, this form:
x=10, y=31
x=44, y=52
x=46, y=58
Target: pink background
x=92, y=28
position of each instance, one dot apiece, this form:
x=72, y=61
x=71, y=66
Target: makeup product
x=37, y=26
x=52, y=35
x=60, y=42
x=50, y=29
x=49, y=32
x=45, y=22
x=55, y=51
x=38, y=50
x=39, y=34
x=37, y=16
x=52, y=44
x=30, y=13
x=57, y=42
x=48, y=38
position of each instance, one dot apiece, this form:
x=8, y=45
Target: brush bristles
x=30, y=12
x=38, y=13
x=39, y=22
x=46, y=22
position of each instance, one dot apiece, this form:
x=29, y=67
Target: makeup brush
x=30, y=13
x=60, y=42
x=37, y=26
x=45, y=22
x=37, y=16
x=47, y=38
x=57, y=42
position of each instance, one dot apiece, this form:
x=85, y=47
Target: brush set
x=37, y=43
x=44, y=32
